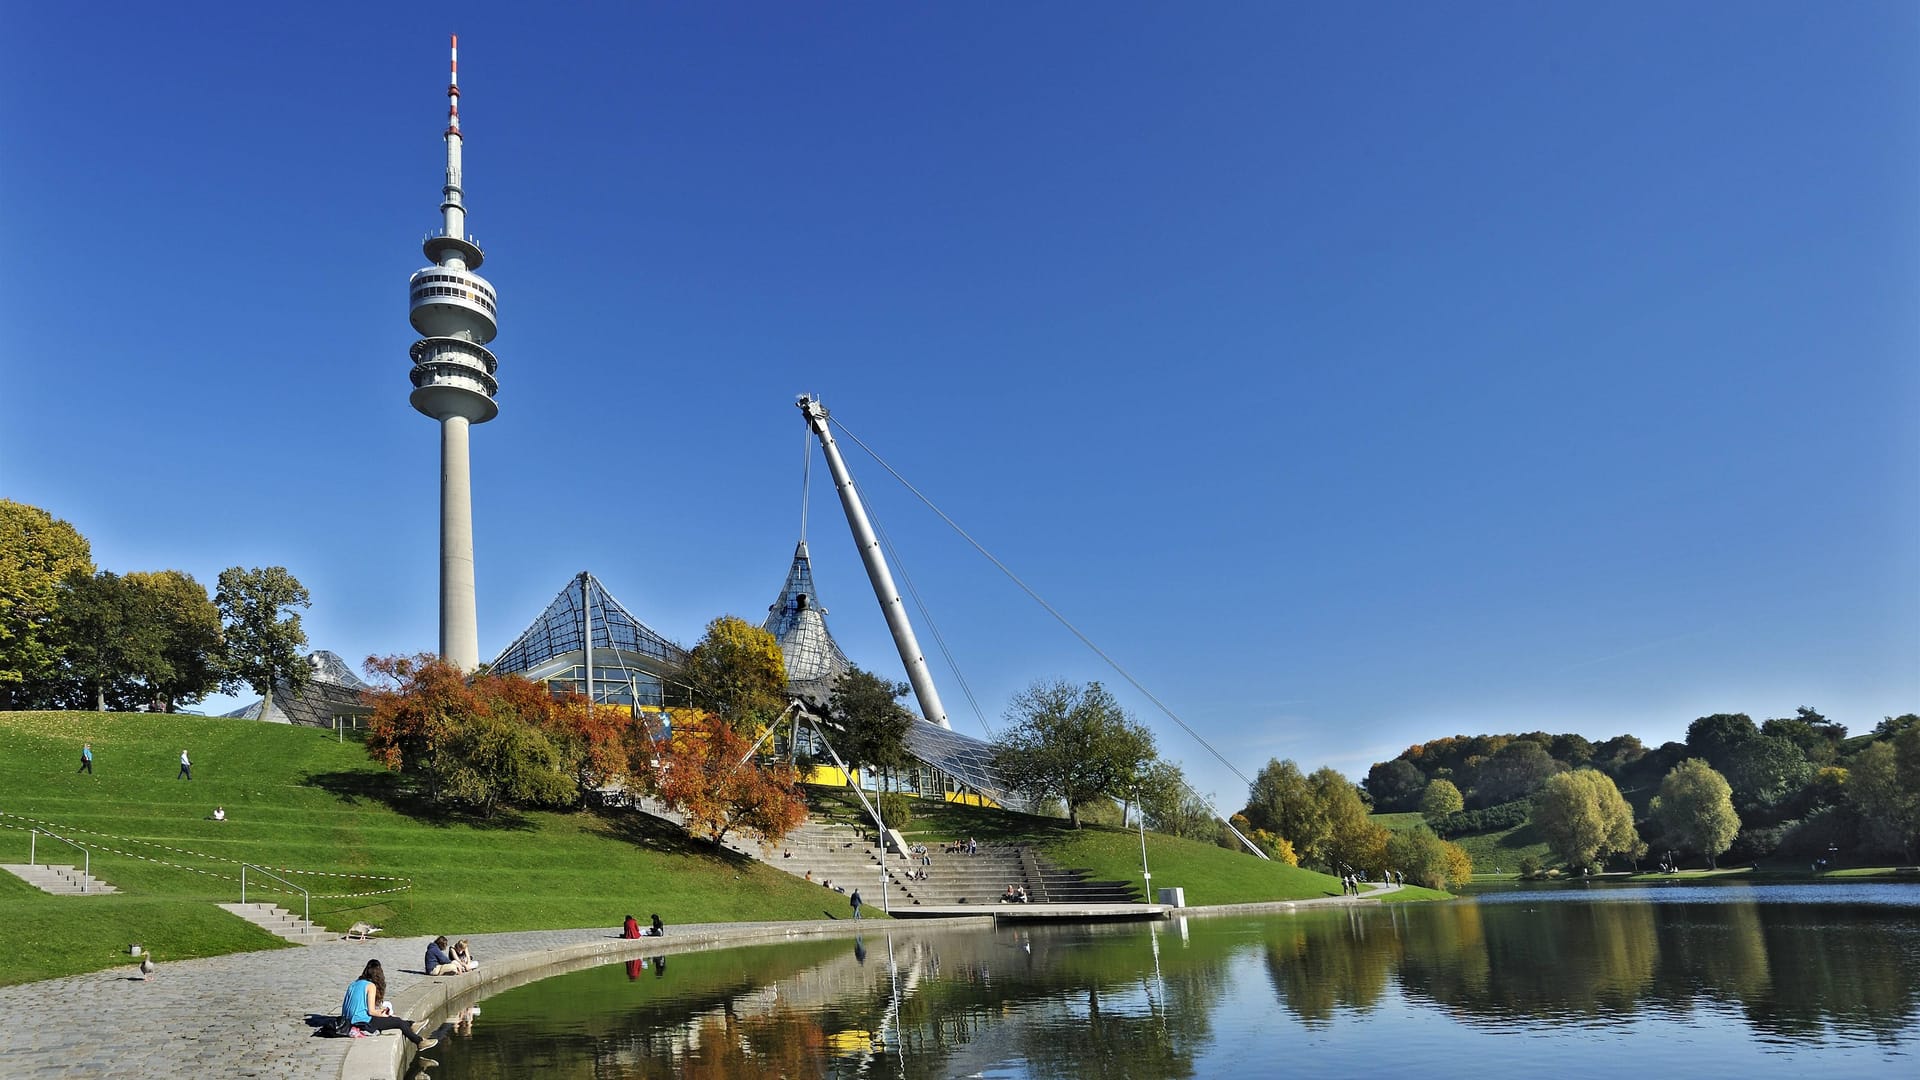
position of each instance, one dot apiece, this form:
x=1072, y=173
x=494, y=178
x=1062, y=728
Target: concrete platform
x=1038, y=912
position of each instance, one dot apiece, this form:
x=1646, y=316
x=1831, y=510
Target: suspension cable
x=1050, y=609
x=806, y=479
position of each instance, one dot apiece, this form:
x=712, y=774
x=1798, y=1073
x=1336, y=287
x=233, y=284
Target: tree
x=1695, y=809
x=487, y=741
x=1614, y=755
x=37, y=552
x=1353, y=837
x=1395, y=785
x=264, y=638
x=1713, y=738
x=1169, y=804
x=191, y=659
x=1884, y=785
x=1817, y=737
x=1428, y=860
x=1585, y=819
x=873, y=723
x=1765, y=770
x=1072, y=743
x=736, y=673
x=1516, y=771
x=1441, y=799
x=1282, y=801
x=104, y=640
x=705, y=775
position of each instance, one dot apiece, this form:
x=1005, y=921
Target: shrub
x=1510, y=815
x=896, y=808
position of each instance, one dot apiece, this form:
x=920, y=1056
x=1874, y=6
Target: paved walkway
x=245, y=1014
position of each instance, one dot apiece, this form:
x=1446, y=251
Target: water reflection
x=1647, y=980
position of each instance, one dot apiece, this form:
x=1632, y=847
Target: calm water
x=1696, y=982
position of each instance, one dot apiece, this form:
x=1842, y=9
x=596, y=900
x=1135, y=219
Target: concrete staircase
x=848, y=856
x=60, y=880
x=282, y=923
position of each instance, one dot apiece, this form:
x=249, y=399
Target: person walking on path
x=86, y=758
x=855, y=901
x=186, y=767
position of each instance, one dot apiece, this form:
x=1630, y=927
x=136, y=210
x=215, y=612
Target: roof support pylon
x=891, y=606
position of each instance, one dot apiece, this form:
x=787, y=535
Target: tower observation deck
x=455, y=312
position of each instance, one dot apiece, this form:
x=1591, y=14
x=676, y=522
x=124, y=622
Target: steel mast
x=891, y=605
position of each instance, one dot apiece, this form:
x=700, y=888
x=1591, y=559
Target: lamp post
x=1144, y=872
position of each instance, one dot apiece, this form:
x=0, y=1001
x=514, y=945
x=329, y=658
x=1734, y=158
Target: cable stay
x=939, y=639
x=1071, y=628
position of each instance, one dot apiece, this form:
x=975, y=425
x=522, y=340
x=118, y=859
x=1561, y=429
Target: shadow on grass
x=642, y=829
x=388, y=790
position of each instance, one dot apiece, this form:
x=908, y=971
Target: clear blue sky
x=1354, y=378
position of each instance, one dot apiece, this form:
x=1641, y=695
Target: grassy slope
x=1210, y=874
x=296, y=798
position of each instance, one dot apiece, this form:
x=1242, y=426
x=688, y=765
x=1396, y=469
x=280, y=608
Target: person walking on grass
x=86, y=758
x=855, y=901
x=186, y=767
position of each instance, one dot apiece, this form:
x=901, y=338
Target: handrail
x=306, y=897
x=86, y=860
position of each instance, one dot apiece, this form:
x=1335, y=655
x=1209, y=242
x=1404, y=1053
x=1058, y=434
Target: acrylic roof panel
x=965, y=757
x=557, y=631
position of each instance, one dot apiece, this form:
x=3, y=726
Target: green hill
x=299, y=800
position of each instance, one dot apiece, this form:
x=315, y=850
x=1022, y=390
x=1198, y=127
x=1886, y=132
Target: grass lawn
x=297, y=799
x=1498, y=854
x=1210, y=874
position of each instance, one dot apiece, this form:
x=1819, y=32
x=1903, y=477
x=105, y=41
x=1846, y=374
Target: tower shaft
x=459, y=616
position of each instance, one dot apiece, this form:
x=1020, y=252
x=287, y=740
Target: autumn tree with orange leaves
x=704, y=774
x=488, y=741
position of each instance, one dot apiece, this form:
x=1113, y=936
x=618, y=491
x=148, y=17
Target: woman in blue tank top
x=366, y=1007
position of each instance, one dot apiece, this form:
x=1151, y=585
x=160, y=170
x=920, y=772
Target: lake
x=1700, y=981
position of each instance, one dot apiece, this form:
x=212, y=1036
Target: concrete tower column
x=459, y=619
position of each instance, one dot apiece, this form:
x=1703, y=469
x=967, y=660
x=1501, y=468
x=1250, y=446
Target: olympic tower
x=453, y=309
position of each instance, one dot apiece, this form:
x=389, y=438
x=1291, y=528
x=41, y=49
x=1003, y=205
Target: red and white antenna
x=453, y=89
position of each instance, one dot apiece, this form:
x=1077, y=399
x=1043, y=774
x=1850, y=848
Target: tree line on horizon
x=1786, y=788
x=75, y=636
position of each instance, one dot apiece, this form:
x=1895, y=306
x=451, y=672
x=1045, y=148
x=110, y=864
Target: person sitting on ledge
x=366, y=1007
x=437, y=961
x=1007, y=897
x=463, y=957
x=632, y=928
x=658, y=929
x=1020, y=895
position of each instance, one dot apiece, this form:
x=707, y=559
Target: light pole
x=1144, y=872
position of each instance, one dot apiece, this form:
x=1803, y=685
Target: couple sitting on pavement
x=1014, y=896
x=632, y=928
x=441, y=961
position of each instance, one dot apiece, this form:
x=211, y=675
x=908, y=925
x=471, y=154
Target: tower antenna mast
x=454, y=311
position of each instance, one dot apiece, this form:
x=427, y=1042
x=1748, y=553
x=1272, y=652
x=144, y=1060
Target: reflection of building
x=628, y=662
x=331, y=694
x=949, y=765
